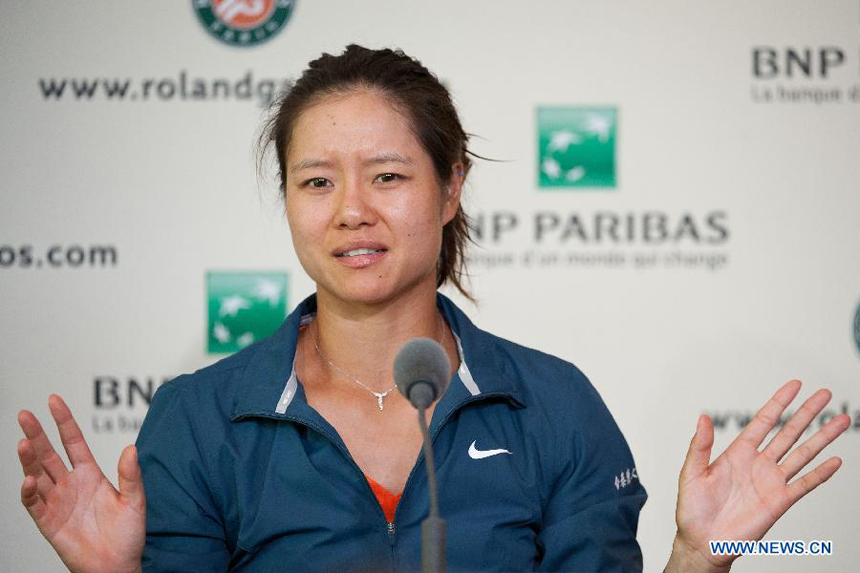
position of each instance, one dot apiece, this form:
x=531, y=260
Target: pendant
x=381, y=395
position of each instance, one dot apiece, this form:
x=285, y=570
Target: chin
x=372, y=291
x=366, y=296
x=366, y=291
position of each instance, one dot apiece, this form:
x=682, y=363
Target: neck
x=363, y=339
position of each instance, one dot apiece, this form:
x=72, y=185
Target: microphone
x=422, y=371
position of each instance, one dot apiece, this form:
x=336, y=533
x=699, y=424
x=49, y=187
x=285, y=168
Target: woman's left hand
x=744, y=491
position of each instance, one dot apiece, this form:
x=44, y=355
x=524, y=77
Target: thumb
x=130, y=481
x=699, y=454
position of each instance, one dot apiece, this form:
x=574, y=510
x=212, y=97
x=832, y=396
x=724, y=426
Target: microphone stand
x=433, y=527
x=422, y=372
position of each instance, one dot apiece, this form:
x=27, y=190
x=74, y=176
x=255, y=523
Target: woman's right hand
x=92, y=526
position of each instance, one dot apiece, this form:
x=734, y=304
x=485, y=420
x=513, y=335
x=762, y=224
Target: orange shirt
x=387, y=500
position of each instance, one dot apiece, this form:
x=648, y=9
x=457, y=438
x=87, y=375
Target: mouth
x=360, y=252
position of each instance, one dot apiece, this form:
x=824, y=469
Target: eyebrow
x=391, y=157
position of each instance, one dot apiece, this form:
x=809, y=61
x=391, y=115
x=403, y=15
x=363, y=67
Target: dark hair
x=412, y=88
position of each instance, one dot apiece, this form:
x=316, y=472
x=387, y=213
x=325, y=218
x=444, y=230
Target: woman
x=295, y=453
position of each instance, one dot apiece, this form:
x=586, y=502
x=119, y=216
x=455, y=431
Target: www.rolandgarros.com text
x=58, y=256
x=180, y=87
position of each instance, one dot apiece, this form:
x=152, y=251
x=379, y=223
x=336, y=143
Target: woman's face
x=363, y=201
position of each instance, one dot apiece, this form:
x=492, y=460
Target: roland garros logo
x=243, y=22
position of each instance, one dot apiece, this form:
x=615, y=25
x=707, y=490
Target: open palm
x=744, y=491
x=92, y=526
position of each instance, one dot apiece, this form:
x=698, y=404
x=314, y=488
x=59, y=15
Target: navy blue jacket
x=241, y=474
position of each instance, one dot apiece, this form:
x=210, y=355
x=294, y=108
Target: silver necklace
x=379, y=395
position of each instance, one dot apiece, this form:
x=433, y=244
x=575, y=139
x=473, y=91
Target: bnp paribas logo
x=243, y=22
x=576, y=146
x=243, y=308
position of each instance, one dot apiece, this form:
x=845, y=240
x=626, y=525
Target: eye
x=388, y=177
x=317, y=183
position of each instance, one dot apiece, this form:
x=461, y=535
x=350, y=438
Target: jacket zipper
x=389, y=526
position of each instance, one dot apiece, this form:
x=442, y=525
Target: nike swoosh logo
x=477, y=454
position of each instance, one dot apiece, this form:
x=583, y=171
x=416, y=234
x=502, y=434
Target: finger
x=766, y=418
x=31, y=500
x=51, y=461
x=130, y=482
x=806, y=451
x=31, y=466
x=699, y=453
x=788, y=435
x=811, y=480
x=70, y=434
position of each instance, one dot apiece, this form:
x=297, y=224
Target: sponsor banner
x=817, y=75
x=243, y=23
x=119, y=403
x=184, y=86
x=27, y=256
x=243, y=307
x=733, y=421
x=726, y=203
x=576, y=147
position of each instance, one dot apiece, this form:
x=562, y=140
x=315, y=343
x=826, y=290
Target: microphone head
x=422, y=361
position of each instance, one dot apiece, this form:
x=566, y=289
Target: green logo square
x=576, y=146
x=243, y=308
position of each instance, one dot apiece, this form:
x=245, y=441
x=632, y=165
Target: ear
x=451, y=193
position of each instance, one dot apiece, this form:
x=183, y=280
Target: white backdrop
x=167, y=184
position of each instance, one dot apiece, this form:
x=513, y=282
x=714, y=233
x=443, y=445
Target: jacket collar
x=269, y=386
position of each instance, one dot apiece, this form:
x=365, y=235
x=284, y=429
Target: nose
x=353, y=208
